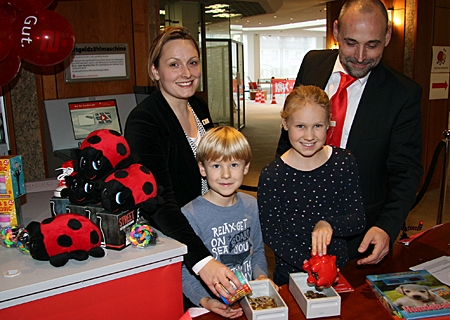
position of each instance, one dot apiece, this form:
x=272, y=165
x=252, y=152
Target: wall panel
x=106, y=21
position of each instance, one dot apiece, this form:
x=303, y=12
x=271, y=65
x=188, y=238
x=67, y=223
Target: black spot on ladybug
x=94, y=237
x=121, y=149
x=144, y=169
x=113, y=132
x=64, y=241
x=94, y=139
x=74, y=224
x=121, y=174
x=48, y=220
x=147, y=188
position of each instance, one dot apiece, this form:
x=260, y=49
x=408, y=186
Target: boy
x=227, y=221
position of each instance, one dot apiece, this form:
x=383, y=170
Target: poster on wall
x=441, y=59
x=440, y=67
x=98, y=62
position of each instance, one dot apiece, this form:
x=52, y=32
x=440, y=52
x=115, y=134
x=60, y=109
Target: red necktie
x=338, y=110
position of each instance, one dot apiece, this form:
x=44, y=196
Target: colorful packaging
x=5, y=220
x=12, y=186
x=12, y=181
x=12, y=208
x=114, y=227
x=246, y=289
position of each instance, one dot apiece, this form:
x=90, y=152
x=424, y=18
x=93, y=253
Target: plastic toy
x=142, y=235
x=322, y=270
x=9, y=236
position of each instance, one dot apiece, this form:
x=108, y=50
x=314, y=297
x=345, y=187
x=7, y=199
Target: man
x=382, y=125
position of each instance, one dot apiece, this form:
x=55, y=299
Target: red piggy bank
x=322, y=270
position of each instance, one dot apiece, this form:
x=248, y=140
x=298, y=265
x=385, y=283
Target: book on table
x=411, y=294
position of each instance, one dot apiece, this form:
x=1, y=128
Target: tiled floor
x=262, y=129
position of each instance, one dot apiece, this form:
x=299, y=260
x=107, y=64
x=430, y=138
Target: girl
x=309, y=198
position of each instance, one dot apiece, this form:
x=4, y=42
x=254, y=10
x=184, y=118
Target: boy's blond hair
x=223, y=143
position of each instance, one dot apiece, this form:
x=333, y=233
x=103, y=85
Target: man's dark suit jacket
x=385, y=137
x=154, y=134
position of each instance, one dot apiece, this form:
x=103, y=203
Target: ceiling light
x=318, y=29
x=226, y=15
x=217, y=6
x=305, y=24
x=217, y=10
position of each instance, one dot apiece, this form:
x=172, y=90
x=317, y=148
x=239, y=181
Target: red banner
x=282, y=86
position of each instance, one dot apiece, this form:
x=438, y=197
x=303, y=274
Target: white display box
x=314, y=308
x=264, y=288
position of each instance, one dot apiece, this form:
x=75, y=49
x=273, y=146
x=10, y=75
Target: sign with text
x=282, y=86
x=98, y=62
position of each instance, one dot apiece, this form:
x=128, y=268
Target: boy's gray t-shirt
x=231, y=234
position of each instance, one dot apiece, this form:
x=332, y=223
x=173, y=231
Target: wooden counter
x=362, y=303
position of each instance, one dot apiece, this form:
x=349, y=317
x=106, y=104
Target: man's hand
x=380, y=239
x=321, y=238
x=214, y=274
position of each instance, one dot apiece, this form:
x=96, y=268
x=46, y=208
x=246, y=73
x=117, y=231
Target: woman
x=164, y=130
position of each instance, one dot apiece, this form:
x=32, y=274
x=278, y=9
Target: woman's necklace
x=201, y=132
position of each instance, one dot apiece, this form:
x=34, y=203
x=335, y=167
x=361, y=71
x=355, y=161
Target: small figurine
x=322, y=270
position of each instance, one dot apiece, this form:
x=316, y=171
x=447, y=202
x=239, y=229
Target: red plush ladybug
x=101, y=152
x=129, y=188
x=63, y=237
x=322, y=270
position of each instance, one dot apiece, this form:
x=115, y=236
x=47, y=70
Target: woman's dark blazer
x=156, y=136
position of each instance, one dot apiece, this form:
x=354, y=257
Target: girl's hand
x=221, y=309
x=321, y=238
x=261, y=277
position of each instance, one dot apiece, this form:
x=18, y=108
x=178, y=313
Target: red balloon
x=9, y=67
x=30, y=4
x=6, y=38
x=7, y=12
x=43, y=37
